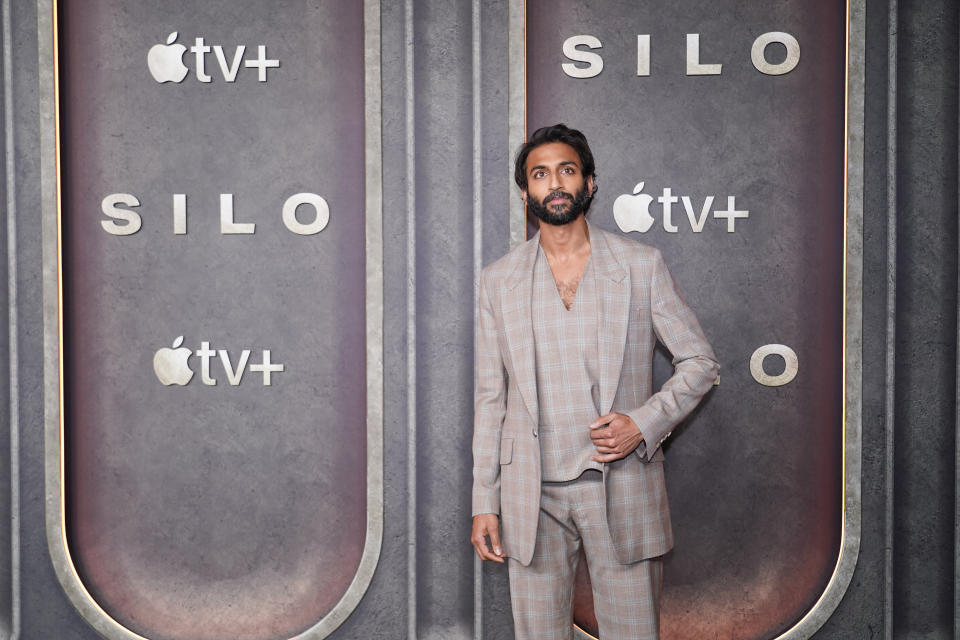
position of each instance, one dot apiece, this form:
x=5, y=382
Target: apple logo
x=171, y=366
x=165, y=61
x=632, y=212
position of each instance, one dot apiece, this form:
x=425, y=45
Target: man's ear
x=523, y=195
x=590, y=185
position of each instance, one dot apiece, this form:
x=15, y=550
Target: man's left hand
x=615, y=436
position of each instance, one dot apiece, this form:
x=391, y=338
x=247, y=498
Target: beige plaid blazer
x=638, y=305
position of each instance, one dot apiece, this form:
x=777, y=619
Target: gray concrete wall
x=425, y=581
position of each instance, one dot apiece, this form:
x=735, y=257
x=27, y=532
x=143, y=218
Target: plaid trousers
x=626, y=596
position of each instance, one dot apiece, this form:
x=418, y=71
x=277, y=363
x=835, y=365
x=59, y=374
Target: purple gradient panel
x=214, y=511
x=755, y=476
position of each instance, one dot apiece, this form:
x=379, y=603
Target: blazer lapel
x=613, y=301
x=518, y=325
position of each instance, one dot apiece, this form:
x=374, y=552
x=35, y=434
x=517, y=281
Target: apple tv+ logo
x=165, y=61
x=172, y=365
x=632, y=211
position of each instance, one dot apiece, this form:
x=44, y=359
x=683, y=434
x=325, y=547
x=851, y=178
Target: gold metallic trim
x=54, y=472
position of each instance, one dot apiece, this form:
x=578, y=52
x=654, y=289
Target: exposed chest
x=567, y=276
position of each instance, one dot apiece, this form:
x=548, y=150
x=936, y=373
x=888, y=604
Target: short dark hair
x=555, y=133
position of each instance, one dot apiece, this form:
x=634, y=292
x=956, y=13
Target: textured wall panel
x=444, y=312
x=235, y=505
x=755, y=476
x=925, y=528
x=919, y=589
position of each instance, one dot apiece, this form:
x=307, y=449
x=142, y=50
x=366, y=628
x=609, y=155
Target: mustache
x=556, y=194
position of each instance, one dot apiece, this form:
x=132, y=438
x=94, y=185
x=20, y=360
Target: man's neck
x=566, y=241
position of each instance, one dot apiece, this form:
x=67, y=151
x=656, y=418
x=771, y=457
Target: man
x=567, y=428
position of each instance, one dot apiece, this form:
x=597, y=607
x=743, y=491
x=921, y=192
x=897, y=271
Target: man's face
x=556, y=191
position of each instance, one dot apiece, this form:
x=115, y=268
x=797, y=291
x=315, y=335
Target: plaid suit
x=637, y=304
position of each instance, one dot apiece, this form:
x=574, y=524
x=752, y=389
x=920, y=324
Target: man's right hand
x=487, y=525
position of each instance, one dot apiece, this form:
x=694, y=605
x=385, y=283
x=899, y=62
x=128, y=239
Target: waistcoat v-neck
x=568, y=372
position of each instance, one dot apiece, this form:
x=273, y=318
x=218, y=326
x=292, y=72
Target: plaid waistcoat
x=568, y=373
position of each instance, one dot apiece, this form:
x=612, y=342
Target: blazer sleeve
x=695, y=365
x=490, y=396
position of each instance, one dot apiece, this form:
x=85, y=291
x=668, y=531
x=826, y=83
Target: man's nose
x=554, y=182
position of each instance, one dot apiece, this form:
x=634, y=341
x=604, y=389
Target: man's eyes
x=564, y=170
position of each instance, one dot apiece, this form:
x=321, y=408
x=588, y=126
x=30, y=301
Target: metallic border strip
x=890, y=374
x=476, y=41
x=849, y=550
x=516, y=110
x=9, y=138
x=410, y=138
x=53, y=327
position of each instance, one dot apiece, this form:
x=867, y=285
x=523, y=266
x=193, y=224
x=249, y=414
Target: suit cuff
x=485, y=503
x=651, y=426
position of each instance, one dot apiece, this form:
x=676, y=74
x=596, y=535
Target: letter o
x=290, y=214
x=759, y=49
x=789, y=371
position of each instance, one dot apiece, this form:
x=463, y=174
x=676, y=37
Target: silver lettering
x=593, y=60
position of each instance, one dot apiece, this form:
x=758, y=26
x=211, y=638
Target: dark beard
x=561, y=214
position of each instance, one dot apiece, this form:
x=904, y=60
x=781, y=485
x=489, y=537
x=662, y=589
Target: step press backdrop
x=216, y=226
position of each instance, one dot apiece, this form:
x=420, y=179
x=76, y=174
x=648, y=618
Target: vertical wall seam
x=956, y=441
x=13, y=351
x=411, y=195
x=891, y=319
x=477, y=254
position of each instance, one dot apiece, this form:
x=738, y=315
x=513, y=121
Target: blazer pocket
x=506, y=450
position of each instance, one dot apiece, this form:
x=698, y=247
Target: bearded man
x=567, y=430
